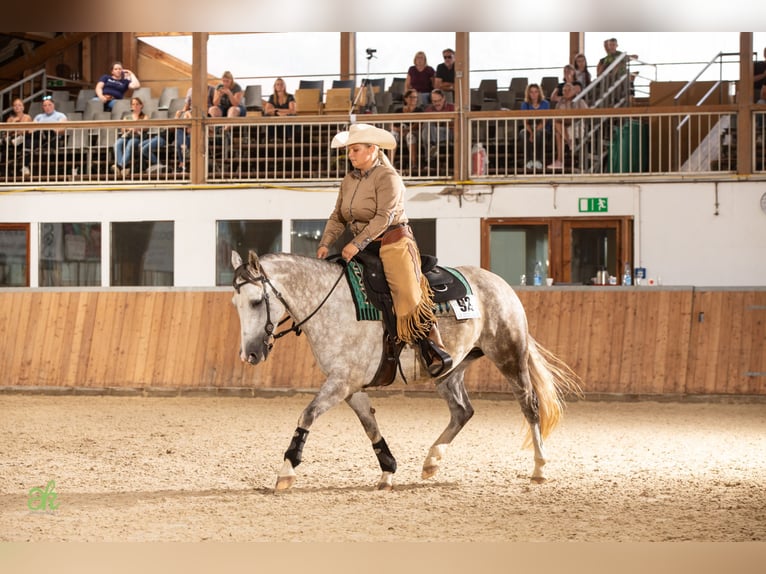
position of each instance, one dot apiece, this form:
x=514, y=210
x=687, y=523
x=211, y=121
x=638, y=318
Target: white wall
x=702, y=234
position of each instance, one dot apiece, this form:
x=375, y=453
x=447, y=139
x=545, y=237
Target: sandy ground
x=202, y=468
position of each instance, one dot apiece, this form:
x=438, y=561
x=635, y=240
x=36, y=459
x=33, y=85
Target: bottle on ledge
x=627, y=279
x=538, y=276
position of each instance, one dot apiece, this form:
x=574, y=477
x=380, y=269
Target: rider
x=371, y=203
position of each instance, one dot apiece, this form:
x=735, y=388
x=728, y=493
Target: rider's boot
x=389, y=361
x=435, y=356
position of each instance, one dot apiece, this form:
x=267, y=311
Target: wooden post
x=199, y=107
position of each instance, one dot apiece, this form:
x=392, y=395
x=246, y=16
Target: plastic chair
x=83, y=97
x=167, y=94
x=253, y=98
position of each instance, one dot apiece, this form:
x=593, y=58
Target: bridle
x=243, y=275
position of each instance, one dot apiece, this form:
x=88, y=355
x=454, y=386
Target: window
x=142, y=253
x=571, y=251
x=262, y=236
x=70, y=254
x=14, y=255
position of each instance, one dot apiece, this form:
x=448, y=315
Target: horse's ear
x=253, y=260
x=236, y=260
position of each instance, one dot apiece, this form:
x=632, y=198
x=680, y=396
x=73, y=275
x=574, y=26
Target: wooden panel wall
x=626, y=341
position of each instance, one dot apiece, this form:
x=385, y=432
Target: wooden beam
x=39, y=56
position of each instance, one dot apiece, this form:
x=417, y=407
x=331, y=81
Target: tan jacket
x=368, y=203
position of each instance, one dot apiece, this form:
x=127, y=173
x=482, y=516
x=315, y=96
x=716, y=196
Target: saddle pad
x=366, y=311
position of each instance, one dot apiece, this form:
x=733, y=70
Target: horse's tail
x=552, y=379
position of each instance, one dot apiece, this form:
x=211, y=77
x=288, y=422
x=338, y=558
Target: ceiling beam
x=39, y=56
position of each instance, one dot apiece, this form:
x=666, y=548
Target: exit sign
x=593, y=205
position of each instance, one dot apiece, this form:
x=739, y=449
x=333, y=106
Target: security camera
x=370, y=52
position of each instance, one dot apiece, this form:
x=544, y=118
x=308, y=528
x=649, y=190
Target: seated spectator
x=280, y=103
x=151, y=147
x=409, y=131
x=563, y=128
x=18, y=144
x=444, y=79
x=582, y=74
x=420, y=77
x=129, y=140
x=438, y=133
x=188, y=101
x=227, y=99
x=113, y=86
x=183, y=138
x=47, y=142
x=568, y=76
x=532, y=137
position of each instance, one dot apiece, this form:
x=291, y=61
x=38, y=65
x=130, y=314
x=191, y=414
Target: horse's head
x=257, y=311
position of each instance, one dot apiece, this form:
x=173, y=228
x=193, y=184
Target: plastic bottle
x=478, y=159
x=627, y=279
x=538, y=277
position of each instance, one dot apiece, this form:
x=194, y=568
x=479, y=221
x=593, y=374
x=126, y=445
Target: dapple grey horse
x=314, y=296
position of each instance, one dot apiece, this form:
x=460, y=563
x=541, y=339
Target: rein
x=243, y=276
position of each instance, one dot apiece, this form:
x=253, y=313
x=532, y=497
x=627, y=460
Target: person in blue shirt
x=532, y=137
x=113, y=86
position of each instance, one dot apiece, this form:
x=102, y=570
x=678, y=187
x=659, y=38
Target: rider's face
x=362, y=156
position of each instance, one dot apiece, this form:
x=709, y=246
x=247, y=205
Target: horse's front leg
x=452, y=390
x=330, y=394
x=360, y=404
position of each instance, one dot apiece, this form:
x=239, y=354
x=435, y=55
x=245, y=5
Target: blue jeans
x=123, y=150
x=183, y=140
x=151, y=147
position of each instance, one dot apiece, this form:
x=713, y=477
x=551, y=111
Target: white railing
x=433, y=147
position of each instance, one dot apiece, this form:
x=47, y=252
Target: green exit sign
x=593, y=205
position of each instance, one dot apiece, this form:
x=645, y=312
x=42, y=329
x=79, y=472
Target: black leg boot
x=389, y=361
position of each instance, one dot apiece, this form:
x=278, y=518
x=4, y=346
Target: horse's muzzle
x=255, y=353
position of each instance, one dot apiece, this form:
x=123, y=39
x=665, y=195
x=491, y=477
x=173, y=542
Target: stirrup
x=436, y=359
x=389, y=361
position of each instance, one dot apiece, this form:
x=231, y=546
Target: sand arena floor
x=203, y=469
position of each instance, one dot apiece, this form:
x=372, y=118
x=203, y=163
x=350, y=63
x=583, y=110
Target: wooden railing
x=641, y=342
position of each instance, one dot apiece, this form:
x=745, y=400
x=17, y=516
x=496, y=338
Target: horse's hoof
x=429, y=471
x=386, y=482
x=284, y=483
x=538, y=479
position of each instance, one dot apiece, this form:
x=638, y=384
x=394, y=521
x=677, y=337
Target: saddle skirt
x=370, y=289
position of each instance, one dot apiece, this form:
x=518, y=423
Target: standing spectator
x=582, y=74
x=533, y=134
x=227, y=99
x=568, y=76
x=564, y=131
x=420, y=77
x=129, y=140
x=759, y=76
x=47, y=142
x=113, y=86
x=18, y=143
x=438, y=134
x=612, y=53
x=445, y=72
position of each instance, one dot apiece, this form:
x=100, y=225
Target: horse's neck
x=303, y=282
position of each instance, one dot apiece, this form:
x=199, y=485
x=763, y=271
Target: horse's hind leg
x=360, y=404
x=453, y=391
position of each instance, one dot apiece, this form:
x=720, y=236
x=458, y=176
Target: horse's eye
x=254, y=303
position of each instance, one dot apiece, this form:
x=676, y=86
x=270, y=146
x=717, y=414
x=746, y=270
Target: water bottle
x=478, y=159
x=627, y=280
x=538, y=277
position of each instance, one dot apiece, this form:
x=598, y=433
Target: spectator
x=183, y=136
x=568, y=77
x=420, y=77
x=113, y=86
x=612, y=53
x=188, y=101
x=563, y=128
x=438, y=134
x=129, y=140
x=533, y=134
x=759, y=76
x=227, y=100
x=18, y=143
x=444, y=79
x=407, y=130
x=48, y=141
x=150, y=149
x=582, y=74
x=280, y=103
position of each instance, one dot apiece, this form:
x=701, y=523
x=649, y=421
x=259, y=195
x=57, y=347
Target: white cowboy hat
x=364, y=134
